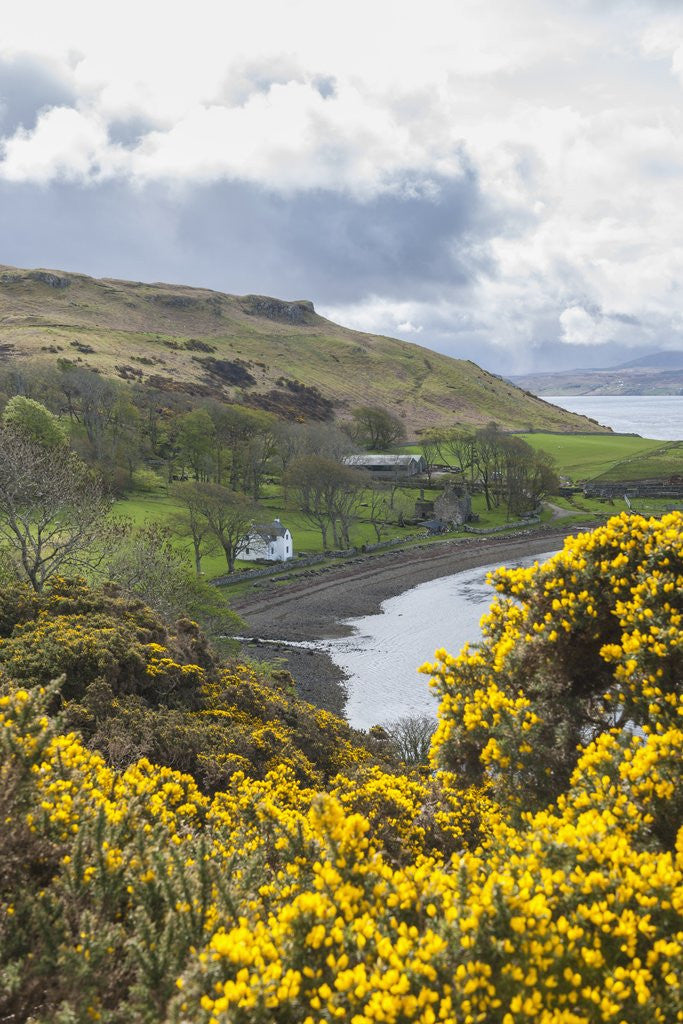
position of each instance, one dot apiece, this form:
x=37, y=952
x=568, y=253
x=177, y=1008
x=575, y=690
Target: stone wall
x=283, y=568
x=671, y=488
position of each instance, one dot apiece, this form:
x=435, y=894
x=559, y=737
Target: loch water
x=656, y=416
x=382, y=655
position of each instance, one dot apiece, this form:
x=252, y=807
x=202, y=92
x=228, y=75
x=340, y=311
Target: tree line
x=65, y=458
x=510, y=473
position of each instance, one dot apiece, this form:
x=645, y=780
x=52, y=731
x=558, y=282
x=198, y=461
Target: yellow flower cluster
x=388, y=897
x=591, y=638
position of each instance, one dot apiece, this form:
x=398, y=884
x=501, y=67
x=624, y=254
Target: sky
x=499, y=180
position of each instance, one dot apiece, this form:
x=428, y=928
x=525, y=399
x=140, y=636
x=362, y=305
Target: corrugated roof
x=381, y=460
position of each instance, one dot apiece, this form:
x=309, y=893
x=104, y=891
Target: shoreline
x=314, y=609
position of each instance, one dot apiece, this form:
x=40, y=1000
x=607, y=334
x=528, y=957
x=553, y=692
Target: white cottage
x=271, y=542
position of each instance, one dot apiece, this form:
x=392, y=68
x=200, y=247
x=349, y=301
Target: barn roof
x=382, y=460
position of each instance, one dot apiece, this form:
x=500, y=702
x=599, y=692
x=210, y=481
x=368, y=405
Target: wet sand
x=313, y=608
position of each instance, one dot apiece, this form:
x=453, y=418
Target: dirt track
x=313, y=608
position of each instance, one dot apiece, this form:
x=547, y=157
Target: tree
x=34, y=421
x=375, y=428
x=229, y=516
x=411, y=737
x=191, y=519
x=196, y=442
x=379, y=506
x=249, y=436
x=429, y=447
x=145, y=563
x=456, y=447
x=51, y=507
x=488, y=463
x=327, y=494
x=92, y=402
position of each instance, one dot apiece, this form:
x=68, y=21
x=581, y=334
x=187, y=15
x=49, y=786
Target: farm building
x=388, y=465
x=271, y=542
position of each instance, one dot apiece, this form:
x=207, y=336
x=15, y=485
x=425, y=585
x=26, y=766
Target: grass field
x=582, y=457
x=157, y=506
x=665, y=461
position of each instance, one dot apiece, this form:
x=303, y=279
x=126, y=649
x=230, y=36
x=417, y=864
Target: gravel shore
x=314, y=607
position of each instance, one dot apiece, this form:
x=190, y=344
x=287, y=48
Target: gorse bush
x=329, y=887
x=591, y=640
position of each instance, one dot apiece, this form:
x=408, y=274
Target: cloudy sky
x=496, y=179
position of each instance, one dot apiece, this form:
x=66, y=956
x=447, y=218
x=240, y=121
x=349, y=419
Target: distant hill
x=655, y=361
x=266, y=352
x=660, y=373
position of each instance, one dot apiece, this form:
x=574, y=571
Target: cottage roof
x=269, y=531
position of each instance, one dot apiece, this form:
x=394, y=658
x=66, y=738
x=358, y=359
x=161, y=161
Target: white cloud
x=568, y=114
x=65, y=144
x=579, y=327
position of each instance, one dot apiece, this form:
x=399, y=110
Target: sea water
x=656, y=416
x=382, y=655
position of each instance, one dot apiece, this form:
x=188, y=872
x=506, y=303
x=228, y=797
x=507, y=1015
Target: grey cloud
x=625, y=318
x=325, y=247
x=129, y=132
x=27, y=86
x=340, y=249
x=326, y=85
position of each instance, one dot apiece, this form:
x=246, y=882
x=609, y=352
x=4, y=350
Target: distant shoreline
x=315, y=608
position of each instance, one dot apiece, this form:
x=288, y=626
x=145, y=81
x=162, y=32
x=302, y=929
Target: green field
x=584, y=456
x=158, y=507
x=665, y=461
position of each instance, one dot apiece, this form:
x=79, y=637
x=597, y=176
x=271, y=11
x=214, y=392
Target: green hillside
x=582, y=458
x=664, y=462
x=265, y=352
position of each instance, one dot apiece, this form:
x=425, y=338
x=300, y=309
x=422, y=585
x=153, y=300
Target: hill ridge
x=261, y=350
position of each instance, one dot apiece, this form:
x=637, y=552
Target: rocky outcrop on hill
x=275, y=309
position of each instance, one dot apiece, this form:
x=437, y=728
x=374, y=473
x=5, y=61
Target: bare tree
x=327, y=493
x=306, y=477
x=145, y=562
x=429, y=446
x=411, y=736
x=456, y=448
x=229, y=516
x=379, y=506
x=51, y=507
x=191, y=520
x=376, y=428
x=294, y=440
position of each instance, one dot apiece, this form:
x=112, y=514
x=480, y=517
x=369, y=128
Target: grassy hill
x=265, y=352
x=663, y=462
x=583, y=458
